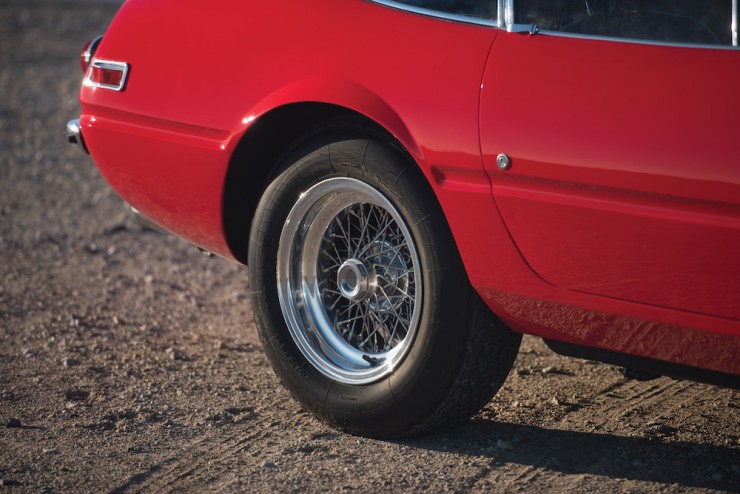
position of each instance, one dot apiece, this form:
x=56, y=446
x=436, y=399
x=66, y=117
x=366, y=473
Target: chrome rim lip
x=298, y=280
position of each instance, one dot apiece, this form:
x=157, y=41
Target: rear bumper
x=73, y=132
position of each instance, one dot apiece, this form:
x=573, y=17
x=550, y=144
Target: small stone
x=70, y=362
x=667, y=430
x=555, y=401
x=49, y=451
x=76, y=395
x=14, y=422
x=7, y=395
x=502, y=445
x=269, y=465
x=548, y=369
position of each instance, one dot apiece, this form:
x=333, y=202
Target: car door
x=612, y=140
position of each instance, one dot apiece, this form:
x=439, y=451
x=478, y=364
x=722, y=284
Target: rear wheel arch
x=255, y=157
x=267, y=140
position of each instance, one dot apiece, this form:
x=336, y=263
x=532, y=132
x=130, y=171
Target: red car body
x=613, y=229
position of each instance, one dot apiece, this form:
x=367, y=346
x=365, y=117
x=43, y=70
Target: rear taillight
x=88, y=52
x=108, y=75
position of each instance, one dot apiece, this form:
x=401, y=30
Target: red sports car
x=413, y=184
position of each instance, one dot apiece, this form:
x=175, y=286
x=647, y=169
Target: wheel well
x=257, y=154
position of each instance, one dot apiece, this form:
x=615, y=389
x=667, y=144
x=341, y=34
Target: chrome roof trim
x=501, y=11
x=735, y=13
x=506, y=20
x=508, y=13
x=437, y=14
x=636, y=41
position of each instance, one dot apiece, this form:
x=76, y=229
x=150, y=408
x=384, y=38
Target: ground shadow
x=635, y=458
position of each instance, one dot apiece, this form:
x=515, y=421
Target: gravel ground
x=130, y=362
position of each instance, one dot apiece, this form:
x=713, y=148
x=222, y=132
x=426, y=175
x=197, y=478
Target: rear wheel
x=359, y=294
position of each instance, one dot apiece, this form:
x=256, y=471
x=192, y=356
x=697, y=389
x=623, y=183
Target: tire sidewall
x=392, y=405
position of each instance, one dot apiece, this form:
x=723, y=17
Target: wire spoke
x=395, y=313
x=351, y=319
x=369, y=234
x=397, y=289
x=388, y=250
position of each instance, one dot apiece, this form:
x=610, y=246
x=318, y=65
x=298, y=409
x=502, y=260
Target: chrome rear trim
x=73, y=132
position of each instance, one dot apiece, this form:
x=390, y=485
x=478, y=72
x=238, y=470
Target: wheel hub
x=355, y=280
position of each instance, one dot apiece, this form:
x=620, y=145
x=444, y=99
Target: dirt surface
x=130, y=362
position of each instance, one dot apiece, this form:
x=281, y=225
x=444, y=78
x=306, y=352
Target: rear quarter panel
x=201, y=75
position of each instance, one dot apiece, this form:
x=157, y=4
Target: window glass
x=483, y=9
x=682, y=21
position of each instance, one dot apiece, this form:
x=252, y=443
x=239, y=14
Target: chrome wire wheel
x=349, y=281
x=359, y=293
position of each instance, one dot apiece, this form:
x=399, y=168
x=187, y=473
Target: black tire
x=452, y=359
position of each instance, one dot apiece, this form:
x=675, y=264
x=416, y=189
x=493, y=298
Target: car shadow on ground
x=649, y=459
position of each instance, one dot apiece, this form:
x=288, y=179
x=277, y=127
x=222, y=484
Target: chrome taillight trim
x=108, y=65
x=89, y=52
